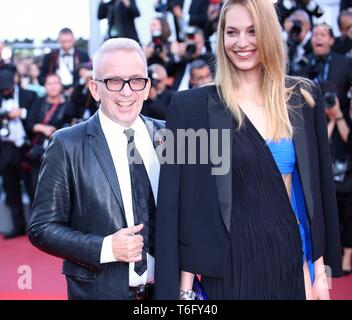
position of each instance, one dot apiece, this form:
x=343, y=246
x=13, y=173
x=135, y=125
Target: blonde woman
x=265, y=228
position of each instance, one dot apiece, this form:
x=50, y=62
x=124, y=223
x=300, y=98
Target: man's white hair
x=117, y=44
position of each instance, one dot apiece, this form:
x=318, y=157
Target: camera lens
x=329, y=99
x=191, y=48
x=153, y=76
x=156, y=38
x=296, y=28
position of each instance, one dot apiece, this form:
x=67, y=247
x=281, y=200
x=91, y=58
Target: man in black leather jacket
x=85, y=207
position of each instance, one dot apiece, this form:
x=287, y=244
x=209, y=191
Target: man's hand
x=127, y=245
x=334, y=112
x=127, y=3
x=288, y=24
x=177, y=11
x=44, y=129
x=15, y=113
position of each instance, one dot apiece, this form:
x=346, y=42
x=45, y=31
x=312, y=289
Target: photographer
x=343, y=44
x=120, y=15
x=213, y=14
x=15, y=103
x=200, y=74
x=339, y=131
x=188, y=51
x=325, y=65
x=159, y=95
x=286, y=7
x=298, y=29
x=159, y=50
x=47, y=115
x=83, y=104
x=64, y=61
x=198, y=17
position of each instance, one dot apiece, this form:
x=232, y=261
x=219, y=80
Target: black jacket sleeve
x=167, y=279
x=103, y=9
x=133, y=9
x=48, y=227
x=332, y=250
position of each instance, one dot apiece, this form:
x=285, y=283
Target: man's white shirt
x=117, y=142
x=17, y=132
x=66, y=67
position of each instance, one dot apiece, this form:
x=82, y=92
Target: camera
x=329, y=99
x=296, y=28
x=4, y=124
x=153, y=76
x=329, y=92
x=191, y=46
x=157, y=42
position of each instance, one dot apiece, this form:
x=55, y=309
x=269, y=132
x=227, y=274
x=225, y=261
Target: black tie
x=142, y=200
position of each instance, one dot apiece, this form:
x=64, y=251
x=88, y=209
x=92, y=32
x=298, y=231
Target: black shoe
x=14, y=234
x=347, y=272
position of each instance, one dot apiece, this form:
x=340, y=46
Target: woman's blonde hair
x=272, y=57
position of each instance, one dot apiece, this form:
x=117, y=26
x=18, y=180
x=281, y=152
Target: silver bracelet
x=187, y=295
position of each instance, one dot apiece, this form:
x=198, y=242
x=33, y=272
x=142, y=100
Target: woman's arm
x=321, y=283
x=186, y=286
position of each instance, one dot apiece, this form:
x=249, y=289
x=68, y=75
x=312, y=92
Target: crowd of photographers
x=41, y=95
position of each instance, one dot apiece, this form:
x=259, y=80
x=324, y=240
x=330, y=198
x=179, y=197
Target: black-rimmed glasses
x=117, y=84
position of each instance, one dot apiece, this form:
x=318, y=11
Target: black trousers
x=344, y=203
x=143, y=292
x=12, y=174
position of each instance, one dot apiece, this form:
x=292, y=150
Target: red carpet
x=47, y=281
x=49, y=284
x=342, y=288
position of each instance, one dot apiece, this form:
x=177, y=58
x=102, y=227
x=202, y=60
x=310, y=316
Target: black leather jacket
x=78, y=203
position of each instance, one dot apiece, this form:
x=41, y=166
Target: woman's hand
x=321, y=283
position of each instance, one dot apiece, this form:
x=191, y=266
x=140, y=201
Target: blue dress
x=266, y=245
x=285, y=157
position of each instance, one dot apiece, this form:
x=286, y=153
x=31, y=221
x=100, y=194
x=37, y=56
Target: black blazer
x=51, y=64
x=77, y=204
x=157, y=108
x=194, y=207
